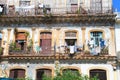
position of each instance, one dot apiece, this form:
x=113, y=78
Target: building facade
x=117, y=29
x=44, y=36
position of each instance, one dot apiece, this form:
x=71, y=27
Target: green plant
x=29, y=47
x=12, y=46
x=70, y=75
x=23, y=79
x=1, y=50
x=15, y=31
x=27, y=34
x=16, y=49
x=46, y=77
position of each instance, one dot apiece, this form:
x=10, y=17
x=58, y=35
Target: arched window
x=17, y=73
x=101, y=74
x=41, y=72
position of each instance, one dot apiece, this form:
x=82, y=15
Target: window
x=24, y=3
x=21, y=40
x=45, y=42
x=96, y=36
x=96, y=6
x=41, y=72
x=70, y=38
x=17, y=73
x=101, y=74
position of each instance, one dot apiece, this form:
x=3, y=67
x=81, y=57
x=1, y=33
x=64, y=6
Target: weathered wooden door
x=45, y=42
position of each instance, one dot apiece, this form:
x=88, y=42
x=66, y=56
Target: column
x=112, y=42
x=7, y=42
x=83, y=38
x=33, y=32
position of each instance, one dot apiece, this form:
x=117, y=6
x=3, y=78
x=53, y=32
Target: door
x=46, y=45
x=45, y=42
x=17, y=73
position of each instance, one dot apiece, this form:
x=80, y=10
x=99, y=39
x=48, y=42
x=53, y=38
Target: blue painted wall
x=116, y=5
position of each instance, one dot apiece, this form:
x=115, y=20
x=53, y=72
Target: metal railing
x=26, y=11
x=39, y=51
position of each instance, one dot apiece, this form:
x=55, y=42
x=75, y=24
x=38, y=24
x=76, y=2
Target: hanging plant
x=15, y=30
x=27, y=34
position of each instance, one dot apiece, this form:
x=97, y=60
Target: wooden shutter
x=45, y=35
x=21, y=73
x=17, y=73
x=11, y=75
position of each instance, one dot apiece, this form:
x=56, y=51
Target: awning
x=21, y=36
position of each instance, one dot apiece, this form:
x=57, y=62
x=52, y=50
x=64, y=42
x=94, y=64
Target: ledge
x=49, y=19
x=59, y=57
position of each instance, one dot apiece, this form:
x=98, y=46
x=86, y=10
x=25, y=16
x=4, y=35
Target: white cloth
x=1, y=9
x=72, y=49
x=41, y=5
x=91, y=43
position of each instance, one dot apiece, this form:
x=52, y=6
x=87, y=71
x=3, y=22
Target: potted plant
x=29, y=47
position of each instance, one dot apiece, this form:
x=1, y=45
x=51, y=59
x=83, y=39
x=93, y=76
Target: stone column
x=83, y=38
x=112, y=42
x=7, y=42
x=33, y=32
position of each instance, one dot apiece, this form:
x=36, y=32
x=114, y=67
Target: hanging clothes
x=102, y=43
x=72, y=49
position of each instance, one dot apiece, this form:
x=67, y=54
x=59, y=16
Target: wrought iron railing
x=36, y=51
x=57, y=50
x=30, y=11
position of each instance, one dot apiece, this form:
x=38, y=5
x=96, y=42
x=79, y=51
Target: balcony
x=53, y=54
x=32, y=15
x=30, y=52
x=32, y=11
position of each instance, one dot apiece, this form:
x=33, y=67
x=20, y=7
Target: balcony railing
x=36, y=52
x=59, y=50
x=32, y=11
